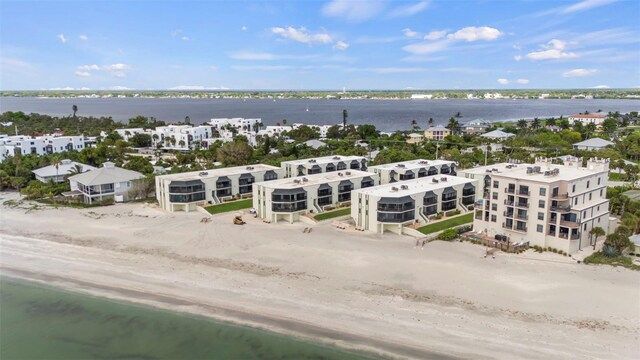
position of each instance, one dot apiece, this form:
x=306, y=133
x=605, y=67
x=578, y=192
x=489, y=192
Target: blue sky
x=324, y=45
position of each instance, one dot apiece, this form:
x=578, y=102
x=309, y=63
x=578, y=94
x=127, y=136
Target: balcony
x=523, y=193
x=561, y=208
x=478, y=215
x=563, y=196
x=510, y=190
x=522, y=217
x=570, y=237
x=569, y=224
x=520, y=229
x=507, y=214
x=507, y=202
x=522, y=204
x=507, y=226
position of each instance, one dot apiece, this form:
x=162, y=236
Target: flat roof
x=412, y=164
x=565, y=173
x=479, y=170
x=415, y=186
x=316, y=179
x=236, y=170
x=324, y=159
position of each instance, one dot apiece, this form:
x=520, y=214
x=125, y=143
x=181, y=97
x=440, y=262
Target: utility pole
x=437, y=148
x=345, y=115
x=486, y=154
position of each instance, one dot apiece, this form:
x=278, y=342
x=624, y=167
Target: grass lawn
x=445, y=224
x=230, y=206
x=617, y=177
x=332, y=214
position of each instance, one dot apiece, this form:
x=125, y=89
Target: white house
x=497, y=135
x=103, y=183
x=592, y=144
x=57, y=173
x=287, y=199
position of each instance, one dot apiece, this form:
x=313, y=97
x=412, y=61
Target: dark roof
x=316, y=167
x=324, y=186
x=289, y=191
x=449, y=190
x=396, y=200
x=367, y=178
x=185, y=182
x=468, y=186
x=429, y=194
x=345, y=182
x=222, y=178
x=247, y=176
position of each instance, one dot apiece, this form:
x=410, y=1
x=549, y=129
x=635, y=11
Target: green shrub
x=448, y=235
x=106, y=201
x=464, y=229
x=453, y=213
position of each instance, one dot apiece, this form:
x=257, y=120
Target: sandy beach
x=352, y=289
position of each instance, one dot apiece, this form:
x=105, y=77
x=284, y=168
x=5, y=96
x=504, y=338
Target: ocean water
x=43, y=322
x=386, y=115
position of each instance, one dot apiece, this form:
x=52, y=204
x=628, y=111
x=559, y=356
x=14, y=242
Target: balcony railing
x=561, y=208
x=521, y=204
x=507, y=202
x=522, y=217
x=508, y=214
x=510, y=190
x=507, y=226
x=571, y=224
x=560, y=196
x=521, y=229
x=523, y=193
x=570, y=237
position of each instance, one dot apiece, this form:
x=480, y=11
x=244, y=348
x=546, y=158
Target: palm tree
x=597, y=232
x=590, y=128
x=75, y=170
x=430, y=122
x=453, y=126
x=284, y=121
x=414, y=125
x=551, y=122
x=56, y=161
x=75, y=110
x=523, y=124
x=535, y=124
x=458, y=115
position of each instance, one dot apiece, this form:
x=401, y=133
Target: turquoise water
x=42, y=322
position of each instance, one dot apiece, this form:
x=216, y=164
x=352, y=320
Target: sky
x=319, y=45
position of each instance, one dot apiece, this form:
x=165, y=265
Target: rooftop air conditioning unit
x=203, y=173
x=423, y=162
x=435, y=181
x=404, y=187
x=400, y=165
x=336, y=158
x=393, y=188
x=249, y=167
x=547, y=172
x=443, y=179
x=296, y=181
x=348, y=173
x=339, y=174
x=304, y=179
x=508, y=166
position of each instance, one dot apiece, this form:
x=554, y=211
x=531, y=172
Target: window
x=575, y=201
x=585, y=227
x=496, y=184
x=543, y=191
x=539, y=228
x=588, y=184
x=590, y=196
x=540, y=216
x=598, y=181
x=493, y=218
x=598, y=207
x=573, y=189
x=494, y=207
x=600, y=192
x=584, y=214
x=494, y=196
x=541, y=204
x=270, y=175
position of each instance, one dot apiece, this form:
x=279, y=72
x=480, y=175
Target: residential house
x=592, y=144
x=57, y=173
x=107, y=182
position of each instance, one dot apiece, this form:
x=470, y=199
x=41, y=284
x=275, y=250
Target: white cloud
x=410, y=10
x=353, y=10
x=62, y=38
x=244, y=28
x=517, y=57
x=426, y=48
x=585, y=5
x=83, y=37
x=522, y=81
x=185, y=38
x=553, y=50
x=83, y=73
x=435, y=35
x=248, y=55
x=600, y=87
x=89, y=67
x=301, y=35
x=473, y=33
x=503, y=81
x=578, y=72
x=68, y=88
x=410, y=33
x=395, y=70
x=116, y=70
x=213, y=67
x=117, y=88
x=340, y=45
x=197, y=87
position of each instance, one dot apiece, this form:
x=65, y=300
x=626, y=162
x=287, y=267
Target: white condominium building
x=288, y=199
x=412, y=169
x=238, y=123
x=180, y=137
x=546, y=204
x=390, y=207
x=596, y=118
x=187, y=191
x=39, y=145
x=323, y=164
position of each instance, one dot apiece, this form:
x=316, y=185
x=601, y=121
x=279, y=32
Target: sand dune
x=350, y=288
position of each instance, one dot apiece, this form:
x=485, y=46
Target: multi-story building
x=107, y=182
x=546, y=204
x=596, y=118
x=412, y=169
x=438, y=132
x=187, y=191
x=288, y=199
x=180, y=137
x=58, y=144
x=240, y=124
x=323, y=164
x=25, y=145
x=390, y=207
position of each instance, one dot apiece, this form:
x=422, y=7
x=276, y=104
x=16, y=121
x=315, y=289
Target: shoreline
x=359, y=291
x=285, y=327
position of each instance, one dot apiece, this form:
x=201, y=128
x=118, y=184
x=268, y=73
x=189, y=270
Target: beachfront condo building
x=545, y=204
x=391, y=207
x=288, y=199
x=412, y=169
x=302, y=167
x=187, y=191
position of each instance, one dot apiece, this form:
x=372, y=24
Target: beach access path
x=348, y=288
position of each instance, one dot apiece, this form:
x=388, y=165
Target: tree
x=368, y=131
x=141, y=140
x=597, y=232
x=235, y=153
x=522, y=124
x=414, y=125
x=284, y=121
x=453, y=125
x=589, y=129
x=75, y=110
x=139, y=164
x=56, y=161
x=618, y=243
x=609, y=125
x=430, y=122
x=535, y=124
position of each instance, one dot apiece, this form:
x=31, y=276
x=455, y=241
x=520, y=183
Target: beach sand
x=348, y=288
